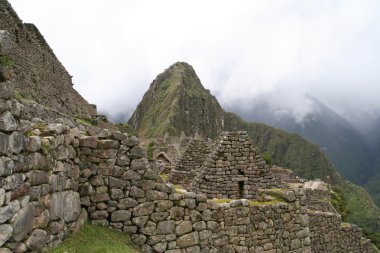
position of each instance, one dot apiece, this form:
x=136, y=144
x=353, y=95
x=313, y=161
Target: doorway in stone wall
x=241, y=189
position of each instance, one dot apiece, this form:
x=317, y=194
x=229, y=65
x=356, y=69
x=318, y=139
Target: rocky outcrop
x=38, y=74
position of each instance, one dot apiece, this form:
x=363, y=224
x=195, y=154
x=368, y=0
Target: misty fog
x=244, y=51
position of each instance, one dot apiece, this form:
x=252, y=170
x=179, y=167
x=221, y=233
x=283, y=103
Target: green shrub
x=268, y=159
x=6, y=61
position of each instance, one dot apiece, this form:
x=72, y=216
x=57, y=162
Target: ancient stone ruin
x=234, y=169
x=189, y=163
x=56, y=174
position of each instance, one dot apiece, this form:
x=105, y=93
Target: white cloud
x=240, y=49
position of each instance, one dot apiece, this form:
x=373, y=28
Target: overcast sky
x=240, y=49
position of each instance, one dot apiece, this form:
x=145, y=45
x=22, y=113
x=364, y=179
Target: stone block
x=23, y=223
x=65, y=205
x=7, y=166
x=120, y=215
x=7, y=46
x=184, y=227
x=144, y=209
x=5, y=233
x=33, y=143
x=188, y=240
x=37, y=240
x=114, y=182
x=88, y=141
x=106, y=144
x=165, y=227
x=7, y=122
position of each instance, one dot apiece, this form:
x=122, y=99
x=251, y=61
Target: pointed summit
x=177, y=101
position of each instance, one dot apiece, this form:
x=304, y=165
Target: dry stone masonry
x=55, y=176
x=189, y=163
x=234, y=169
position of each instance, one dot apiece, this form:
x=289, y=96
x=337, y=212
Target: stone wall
x=39, y=178
x=329, y=234
x=121, y=191
x=190, y=161
x=54, y=177
x=234, y=169
x=316, y=194
x=38, y=74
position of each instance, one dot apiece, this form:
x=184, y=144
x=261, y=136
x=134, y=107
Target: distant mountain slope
x=373, y=140
x=176, y=101
x=342, y=143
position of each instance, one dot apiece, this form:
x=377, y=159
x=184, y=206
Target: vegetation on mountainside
x=96, y=239
x=126, y=128
x=373, y=188
x=362, y=211
x=339, y=201
x=150, y=150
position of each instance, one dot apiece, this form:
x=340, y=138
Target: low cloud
x=242, y=51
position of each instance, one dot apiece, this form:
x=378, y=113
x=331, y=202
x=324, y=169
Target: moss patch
x=164, y=176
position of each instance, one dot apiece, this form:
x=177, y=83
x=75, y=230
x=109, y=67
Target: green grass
x=84, y=122
x=96, y=239
x=362, y=211
x=251, y=202
x=6, y=61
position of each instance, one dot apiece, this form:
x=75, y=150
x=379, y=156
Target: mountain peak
x=176, y=101
x=180, y=75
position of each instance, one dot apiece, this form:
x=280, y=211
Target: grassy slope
x=96, y=239
x=362, y=211
x=373, y=188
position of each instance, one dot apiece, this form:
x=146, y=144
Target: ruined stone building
x=189, y=163
x=234, y=169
